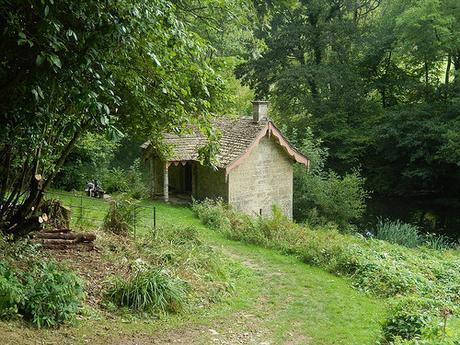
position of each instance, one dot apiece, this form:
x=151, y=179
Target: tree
x=306, y=62
x=90, y=159
x=377, y=81
x=70, y=68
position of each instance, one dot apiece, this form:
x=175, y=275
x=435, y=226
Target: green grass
x=280, y=300
x=301, y=298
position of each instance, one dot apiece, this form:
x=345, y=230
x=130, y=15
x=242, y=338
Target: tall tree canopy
x=72, y=67
x=377, y=80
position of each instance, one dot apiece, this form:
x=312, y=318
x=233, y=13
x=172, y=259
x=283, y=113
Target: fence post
x=154, y=217
x=81, y=210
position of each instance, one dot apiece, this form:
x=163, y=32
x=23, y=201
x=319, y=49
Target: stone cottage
x=254, y=172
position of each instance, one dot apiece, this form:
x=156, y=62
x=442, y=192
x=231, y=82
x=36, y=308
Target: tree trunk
x=449, y=62
x=22, y=220
x=456, y=61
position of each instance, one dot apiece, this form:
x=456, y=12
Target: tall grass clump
x=398, y=232
x=437, y=242
x=409, y=235
x=121, y=215
x=149, y=290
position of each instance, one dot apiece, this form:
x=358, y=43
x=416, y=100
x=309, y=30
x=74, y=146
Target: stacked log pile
x=64, y=239
x=55, y=232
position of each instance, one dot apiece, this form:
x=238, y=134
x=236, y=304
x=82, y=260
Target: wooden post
x=166, y=182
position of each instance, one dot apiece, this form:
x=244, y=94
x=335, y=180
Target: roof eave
x=271, y=129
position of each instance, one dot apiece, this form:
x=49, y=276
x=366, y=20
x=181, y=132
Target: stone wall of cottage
x=263, y=179
x=208, y=183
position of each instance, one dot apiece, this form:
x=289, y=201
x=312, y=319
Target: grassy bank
x=270, y=297
x=422, y=285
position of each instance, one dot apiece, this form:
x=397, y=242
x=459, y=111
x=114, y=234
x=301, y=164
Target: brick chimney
x=259, y=110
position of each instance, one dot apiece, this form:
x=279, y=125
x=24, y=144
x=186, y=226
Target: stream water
x=434, y=215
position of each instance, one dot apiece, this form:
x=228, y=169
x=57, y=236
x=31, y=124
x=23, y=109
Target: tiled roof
x=237, y=137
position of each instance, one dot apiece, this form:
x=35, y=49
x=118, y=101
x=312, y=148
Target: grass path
x=278, y=301
x=294, y=303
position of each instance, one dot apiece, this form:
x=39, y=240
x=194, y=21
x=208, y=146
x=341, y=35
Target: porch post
x=166, y=182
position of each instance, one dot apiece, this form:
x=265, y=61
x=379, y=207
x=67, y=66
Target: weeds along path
x=284, y=301
x=277, y=300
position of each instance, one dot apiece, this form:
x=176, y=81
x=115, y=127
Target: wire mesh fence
x=89, y=212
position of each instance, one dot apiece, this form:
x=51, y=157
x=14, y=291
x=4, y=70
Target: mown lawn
x=279, y=301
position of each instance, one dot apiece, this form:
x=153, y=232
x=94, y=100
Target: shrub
x=129, y=181
x=121, y=215
x=41, y=291
x=398, y=232
x=410, y=316
x=213, y=213
x=150, y=290
x=52, y=295
x=326, y=197
x=114, y=180
x=136, y=185
x=11, y=292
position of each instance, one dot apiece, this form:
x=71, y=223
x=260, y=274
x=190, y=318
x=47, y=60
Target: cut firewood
x=54, y=241
x=81, y=237
x=58, y=215
x=79, y=246
x=52, y=231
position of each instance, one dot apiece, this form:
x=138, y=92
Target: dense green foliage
x=130, y=181
x=321, y=195
x=35, y=288
x=89, y=160
x=52, y=295
x=426, y=279
x=71, y=68
x=11, y=292
x=378, y=81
